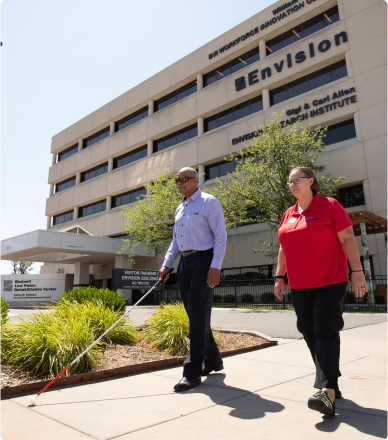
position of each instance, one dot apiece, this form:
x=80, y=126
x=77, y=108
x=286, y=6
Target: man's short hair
x=193, y=172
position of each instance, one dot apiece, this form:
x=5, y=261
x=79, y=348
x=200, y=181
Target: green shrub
x=108, y=298
x=168, y=329
x=229, y=298
x=350, y=297
x=247, y=298
x=217, y=298
x=268, y=297
x=52, y=340
x=4, y=311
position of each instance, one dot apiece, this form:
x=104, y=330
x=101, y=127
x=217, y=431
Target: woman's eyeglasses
x=183, y=179
x=296, y=180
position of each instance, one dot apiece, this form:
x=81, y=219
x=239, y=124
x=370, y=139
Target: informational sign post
x=134, y=279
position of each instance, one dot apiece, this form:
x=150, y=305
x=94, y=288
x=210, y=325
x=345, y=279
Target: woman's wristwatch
x=278, y=277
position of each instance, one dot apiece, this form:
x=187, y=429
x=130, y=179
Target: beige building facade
x=323, y=62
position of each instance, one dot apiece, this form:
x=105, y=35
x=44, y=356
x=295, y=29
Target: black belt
x=187, y=253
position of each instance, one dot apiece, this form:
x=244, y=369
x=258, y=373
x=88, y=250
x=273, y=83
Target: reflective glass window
x=331, y=136
x=339, y=70
x=67, y=153
x=193, y=131
x=159, y=145
x=213, y=172
x=182, y=135
x=314, y=25
x=170, y=140
x=92, y=209
x=319, y=78
x=275, y=44
x=346, y=130
x=278, y=95
x=225, y=117
x=209, y=78
x=351, y=196
x=65, y=184
x=94, y=172
x=169, y=100
x=331, y=16
x=129, y=197
x=290, y=37
x=62, y=218
x=182, y=94
x=179, y=94
x=227, y=167
x=256, y=104
x=96, y=137
x=238, y=64
x=242, y=110
x=211, y=123
x=175, y=138
x=298, y=87
x=253, y=56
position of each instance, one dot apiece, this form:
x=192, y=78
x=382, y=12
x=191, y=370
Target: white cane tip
x=32, y=399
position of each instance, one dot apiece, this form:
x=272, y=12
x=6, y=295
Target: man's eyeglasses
x=183, y=179
x=296, y=180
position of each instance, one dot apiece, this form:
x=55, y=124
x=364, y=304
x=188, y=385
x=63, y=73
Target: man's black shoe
x=206, y=370
x=186, y=384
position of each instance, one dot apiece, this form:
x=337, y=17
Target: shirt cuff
x=216, y=265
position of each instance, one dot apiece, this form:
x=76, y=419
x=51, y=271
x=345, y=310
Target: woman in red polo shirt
x=316, y=239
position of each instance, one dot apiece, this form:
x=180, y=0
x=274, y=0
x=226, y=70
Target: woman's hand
x=279, y=288
x=359, y=283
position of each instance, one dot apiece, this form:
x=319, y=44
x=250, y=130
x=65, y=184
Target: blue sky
x=61, y=60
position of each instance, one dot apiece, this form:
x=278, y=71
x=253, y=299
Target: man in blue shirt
x=199, y=238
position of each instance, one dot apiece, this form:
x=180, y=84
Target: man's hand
x=162, y=273
x=213, y=277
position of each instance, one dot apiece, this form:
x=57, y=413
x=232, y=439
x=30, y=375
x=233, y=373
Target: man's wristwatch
x=278, y=277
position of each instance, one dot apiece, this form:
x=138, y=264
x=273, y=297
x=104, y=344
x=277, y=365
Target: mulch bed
x=122, y=355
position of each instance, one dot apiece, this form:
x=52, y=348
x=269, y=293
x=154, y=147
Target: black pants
x=198, y=299
x=319, y=319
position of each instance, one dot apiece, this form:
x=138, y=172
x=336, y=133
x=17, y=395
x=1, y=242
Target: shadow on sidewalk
x=248, y=406
x=354, y=415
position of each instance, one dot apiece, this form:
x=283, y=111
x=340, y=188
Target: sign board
x=26, y=289
x=134, y=279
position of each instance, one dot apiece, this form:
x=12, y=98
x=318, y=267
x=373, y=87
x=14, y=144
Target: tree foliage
x=22, y=267
x=258, y=191
x=151, y=220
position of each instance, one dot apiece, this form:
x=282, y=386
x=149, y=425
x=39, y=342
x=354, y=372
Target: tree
x=257, y=191
x=151, y=220
x=22, y=267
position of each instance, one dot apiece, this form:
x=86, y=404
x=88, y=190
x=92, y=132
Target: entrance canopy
x=65, y=247
x=374, y=223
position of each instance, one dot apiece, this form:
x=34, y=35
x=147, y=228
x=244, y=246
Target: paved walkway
x=274, y=323
x=261, y=394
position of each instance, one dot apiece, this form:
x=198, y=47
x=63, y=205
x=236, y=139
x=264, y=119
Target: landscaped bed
x=121, y=355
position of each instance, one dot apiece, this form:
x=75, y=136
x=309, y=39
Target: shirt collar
x=312, y=205
x=193, y=197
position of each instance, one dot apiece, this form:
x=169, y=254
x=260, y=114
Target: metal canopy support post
x=365, y=252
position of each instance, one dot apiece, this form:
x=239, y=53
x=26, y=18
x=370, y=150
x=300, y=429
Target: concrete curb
x=76, y=379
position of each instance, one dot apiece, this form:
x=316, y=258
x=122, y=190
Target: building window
x=62, y=218
x=239, y=111
x=351, y=196
x=128, y=197
x=94, y=172
x=92, y=209
x=232, y=66
x=175, y=138
x=179, y=94
x=340, y=132
x=120, y=237
x=67, y=153
x=309, y=82
x=96, y=137
x=303, y=30
x=131, y=119
x=248, y=273
x=219, y=169
x=130, y=157
x=65, y=184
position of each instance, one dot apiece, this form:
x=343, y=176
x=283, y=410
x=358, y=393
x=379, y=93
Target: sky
x=61, y=60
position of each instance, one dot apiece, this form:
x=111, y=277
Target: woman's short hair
x=308, y=172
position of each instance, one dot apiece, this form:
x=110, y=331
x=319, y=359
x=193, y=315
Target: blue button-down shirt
x=199, y=225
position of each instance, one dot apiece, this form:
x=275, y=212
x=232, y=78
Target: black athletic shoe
x=322, y=402
x=338, y=394
x=206, y=370
x=187, y=384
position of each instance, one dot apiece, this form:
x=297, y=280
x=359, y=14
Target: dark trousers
x=319, y=319
x=198, y=299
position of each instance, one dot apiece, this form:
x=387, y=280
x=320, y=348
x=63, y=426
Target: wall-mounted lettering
x=233, y=43
x=299, y=57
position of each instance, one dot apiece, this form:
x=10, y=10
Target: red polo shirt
x=314, y=256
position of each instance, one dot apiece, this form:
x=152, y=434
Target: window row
x=131, y=119
x=65, y=184
x=231, y=66
x=176, y=138
x=94, y=138
x=129, y=197
x=309, y=82
x=68, y=152
x=248, y=273
x=127, y=158
x=94, y=172
x=62, y=218
x=351, y=196
x=94, y=208
x=233, y=114
x=175, y=96
x=303, y=30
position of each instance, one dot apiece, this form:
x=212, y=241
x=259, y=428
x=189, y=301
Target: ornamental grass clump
x=52, y=340
x=168, y=329
x=109, y=298
x=4, y=311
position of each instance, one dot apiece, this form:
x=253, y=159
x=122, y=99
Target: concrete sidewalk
x=258, y=394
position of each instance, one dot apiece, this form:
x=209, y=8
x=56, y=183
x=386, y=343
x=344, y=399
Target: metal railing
x=259, y=294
